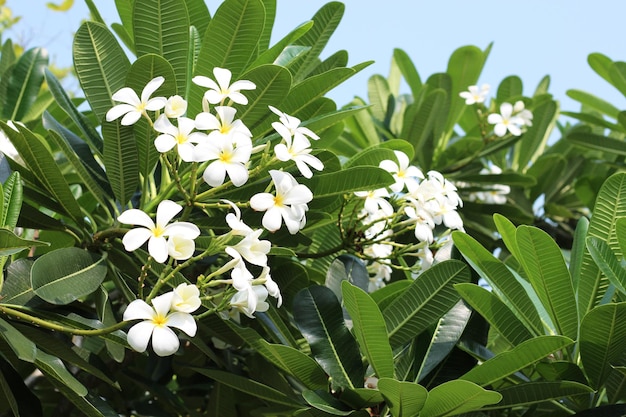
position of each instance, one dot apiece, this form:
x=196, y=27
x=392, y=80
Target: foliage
x=331, y=230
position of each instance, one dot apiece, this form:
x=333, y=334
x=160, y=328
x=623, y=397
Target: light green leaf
x=369, y=329
x=63, y=275
x=17, y=289
x=578, y=248
x=597, y=142
x=101, y=65
x=199, y=15
x=11, y=202
x=23, y=348
x=549, y=276
x=535, y=139
x=348, y=180
x=521, y=356
x=510, y=88
x=272, y=54
x=408, y=70
x=428, y=298
x=161, y=27
x=602, y=340
x=403, y=398
x=10, y=243
x=606, y=261
x=457, y=397
x=24, y=83
x=593, y=102
x=319, y=317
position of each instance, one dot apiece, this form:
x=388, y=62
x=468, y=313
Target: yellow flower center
x=158, y=231
x=159, y=320
x=224, y=129
x=278, y=200
x=180, y=138
x=226, y=157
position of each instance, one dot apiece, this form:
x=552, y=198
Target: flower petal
x=166, y=211
x=215, y=174
x=151, y=87
x=163, y=303
x=118, y=111
x=138, y=310
x=262, y=201
x=139, y=335
x=126, y=95
x=164, y=143
x=183, y=321
x=133, y=239
x=131, y=118
x=164, y=341
x=136, y=217
x=157, y=247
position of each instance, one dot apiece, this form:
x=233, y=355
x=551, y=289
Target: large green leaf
x=610, y=205
x=325, y=22
x=230, y=41
x=549, y=276
x=324, y=401
x=521, y=356
x=408, y=70
x=348, y=180
x=199, y=14
x=319, y=317
x=24, y=83
x=402, y=398
x=602, y=341
x=501, y=279
x=10, y=243
x=39, y=159
x=23, y=348
x=63, y=275
x=11, y=203
x=101, y=65
x=121, y=160
x=272, y=54
x=593, y=102
x=161, y=27
x=369, y=329
x=535, y=392
x=457, y=397
x=428, y=298
x=607, y=262
x=536, y=137
x=499, y=316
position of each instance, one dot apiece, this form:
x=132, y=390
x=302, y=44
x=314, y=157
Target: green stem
x=56, y=327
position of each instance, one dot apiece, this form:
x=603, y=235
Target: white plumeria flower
x=402, y=172
x=506, y=121
x=289, y=204
x=223, y=89
x=376, y=200
x=494, y=194
x=523, y=113
x=156, y=324
x=180, y=248
x=289, y=126
x=134, y=107
x=182, y=136
x=251, y=300
x=252, y=249
x=175, y=107
x=444, y=212
x=271, y=286
x=298, y=150
x=240, y=275
x=155, y=233
x=227, y=159
x=186, y=298
x=424, y=222
x=239, y=228
x=224, y=127
x=475, y=94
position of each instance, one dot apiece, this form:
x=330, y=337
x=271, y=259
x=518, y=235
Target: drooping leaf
x=23, y=348
x=457, y=397
x=324, y=401
x=403, y=398
x=10, y=243
x=536, y=392
x=521, y=356
x=318, y=315
x=64, y=275
x=369, y=329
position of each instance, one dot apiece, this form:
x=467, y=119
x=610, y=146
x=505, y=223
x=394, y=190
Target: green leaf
x=101, y=65
x=348, y=180
x=64, y=275
x=369, y=329
x=510, y=88
x=602, y=340
x=408, y=70
x=536, y=137
x=594, y=103
x=11, y=203
x=24, y=83
x=346, y=268
x=161, y=27
x=601, y=143
x=521, y=356
x=23, y=348
x=324, y=401
x=199, y=15
x=230, y=41
x=374, y=154
x=248, y=386
x=318, y=315
x=325, y=21
x=107, y=317
x=535, y=392
x=121, y=160
x=10, y=243
x=273, y=54
x=39, y=159
x=610, y=205
x=457, y=397
x=578, y=248
x=402, y=398
x=549, y=276
x=17, y=289
x=53, y=367
x=606, y=261
x=428, y=298
x=499, y=316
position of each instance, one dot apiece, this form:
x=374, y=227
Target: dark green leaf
x=403, y=398
x=24, y=83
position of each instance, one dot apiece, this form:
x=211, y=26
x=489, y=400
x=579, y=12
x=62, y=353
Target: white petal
x=282, y=153
x=164, y=341
x=126, y=95
x=272, y=219
x=237, y=173
x=166, y=211
x=157, y=247
x=136, y=217
x=162, y=303
x=183, y=229
x=118, y=111
x=222, y=75
x=186, y=151
x=156, y=103
x=207, y=121
x=215, y=174
x=164, y=143
x=131, y=118
x=494, y=118
x=134, y=238
x=499, y=130
x=163, y=125
x=262, y=201
x=180, y=248
x=183, y=321
x=203, y=81
x=151, y=87
x=238, y=98
x=213, y=96
x=138, y=309
x=242, y=85
x=139, y=335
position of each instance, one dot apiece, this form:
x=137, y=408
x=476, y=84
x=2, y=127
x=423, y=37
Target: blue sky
x=531, y=38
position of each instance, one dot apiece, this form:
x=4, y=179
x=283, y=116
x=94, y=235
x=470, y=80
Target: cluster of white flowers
x=222, y=146
x=513, y=118
x=425, y=202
